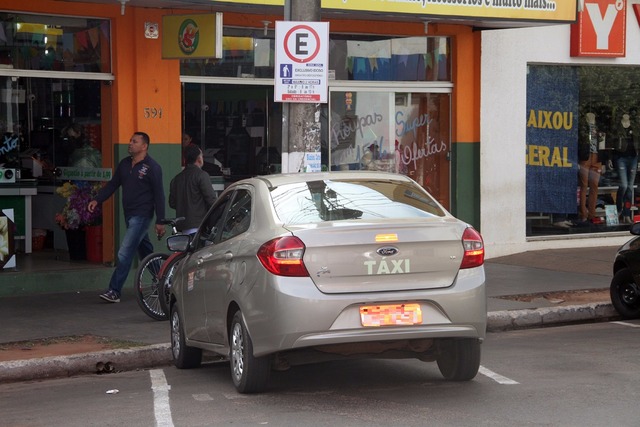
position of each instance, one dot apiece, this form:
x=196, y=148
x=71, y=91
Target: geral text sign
x=601, y=29
x=302, y=61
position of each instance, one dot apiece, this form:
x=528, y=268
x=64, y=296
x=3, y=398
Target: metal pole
x=303, y=133
x=285, y=109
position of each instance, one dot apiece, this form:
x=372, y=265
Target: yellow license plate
x=391, y=315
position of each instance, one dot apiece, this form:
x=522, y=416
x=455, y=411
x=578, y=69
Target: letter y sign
x=601, y=30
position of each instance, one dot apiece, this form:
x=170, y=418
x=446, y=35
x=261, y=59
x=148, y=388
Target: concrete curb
x=160, y=354
x=85, y=363
x=540, y=317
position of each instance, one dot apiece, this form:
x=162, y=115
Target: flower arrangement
x=75, y=214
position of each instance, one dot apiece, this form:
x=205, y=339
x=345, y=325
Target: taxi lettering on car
x=398, y=266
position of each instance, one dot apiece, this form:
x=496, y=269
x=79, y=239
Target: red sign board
x=601, y=29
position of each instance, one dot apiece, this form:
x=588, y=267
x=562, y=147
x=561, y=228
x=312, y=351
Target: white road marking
x=633, y=325
x=202, y=397
x=161, y=406
x=234, y=396
x=496, y=377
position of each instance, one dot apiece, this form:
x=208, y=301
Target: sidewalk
x=74, y=312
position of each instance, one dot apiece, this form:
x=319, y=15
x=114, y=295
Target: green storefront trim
x=465, y=182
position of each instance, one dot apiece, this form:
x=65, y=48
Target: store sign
x=552, y=135
x=85, y=174
x=529, y=10
x=192, y=36
x=601, y=29
x=302, y=61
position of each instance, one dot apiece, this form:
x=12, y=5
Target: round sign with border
x=297, y=29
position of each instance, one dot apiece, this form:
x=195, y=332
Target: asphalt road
x=582, y=375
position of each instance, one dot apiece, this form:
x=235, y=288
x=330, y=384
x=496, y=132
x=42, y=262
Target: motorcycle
x=625, y=285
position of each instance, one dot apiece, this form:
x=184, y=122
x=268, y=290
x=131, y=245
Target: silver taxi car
x=297, y=268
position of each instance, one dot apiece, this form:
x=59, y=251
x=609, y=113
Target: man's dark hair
x=145, y=137
x=191, y=154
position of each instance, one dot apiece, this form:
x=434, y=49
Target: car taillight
x=283, y=257
x=473, y=249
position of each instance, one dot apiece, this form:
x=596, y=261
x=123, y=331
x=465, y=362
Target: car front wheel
x=250, y=374
x=459, y=358
x=625, y=294
x=184, y=356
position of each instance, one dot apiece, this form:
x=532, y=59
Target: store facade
x=564, y=110
x=404, y=96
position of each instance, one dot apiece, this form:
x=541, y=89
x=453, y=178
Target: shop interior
x=238, y=127
x=609, y=97
x=46, y=124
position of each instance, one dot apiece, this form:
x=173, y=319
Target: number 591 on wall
x=152, y=113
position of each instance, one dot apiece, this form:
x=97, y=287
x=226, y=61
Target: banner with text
x=552, y=139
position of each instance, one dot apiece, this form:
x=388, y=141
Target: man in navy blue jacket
x=142, y=194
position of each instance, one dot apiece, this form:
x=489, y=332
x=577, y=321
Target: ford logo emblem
x=387, y=251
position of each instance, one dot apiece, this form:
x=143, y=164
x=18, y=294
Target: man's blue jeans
x=627, y=166
x=136, y=238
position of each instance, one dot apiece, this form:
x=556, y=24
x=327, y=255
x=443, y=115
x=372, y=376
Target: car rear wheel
x=625, y=294
x=459, y=358
x=250, y=374
x=184, y=356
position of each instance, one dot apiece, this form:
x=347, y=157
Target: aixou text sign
x=302, y=60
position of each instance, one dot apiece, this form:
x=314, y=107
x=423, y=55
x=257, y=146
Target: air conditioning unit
x=7, y=175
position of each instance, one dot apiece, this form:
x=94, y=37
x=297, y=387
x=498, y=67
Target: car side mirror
x=179, y=242
x=635, y=228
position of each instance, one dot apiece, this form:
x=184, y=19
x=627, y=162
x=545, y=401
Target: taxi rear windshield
x=327, y=200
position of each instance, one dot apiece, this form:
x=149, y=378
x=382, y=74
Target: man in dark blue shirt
x=142, y=194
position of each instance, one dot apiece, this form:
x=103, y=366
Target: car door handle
x=199, y=261
x=228, y=256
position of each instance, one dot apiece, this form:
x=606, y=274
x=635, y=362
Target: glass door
x=238, y=127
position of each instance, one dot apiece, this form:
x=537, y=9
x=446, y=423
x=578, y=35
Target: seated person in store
x=214, y=168
x=589, y=168
x=627, y=146
x=190, y=191
x=369, y=158
x=83, y=154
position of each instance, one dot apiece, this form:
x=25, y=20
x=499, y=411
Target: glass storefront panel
x=36, y=116
x=390, y=59
x=47, y=124
x=352, y=58
x=238, y=127
x=423, y=141
x=583, y=137
x=54, y=43
x=400, y=132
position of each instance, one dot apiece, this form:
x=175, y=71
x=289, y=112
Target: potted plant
x=75, y=218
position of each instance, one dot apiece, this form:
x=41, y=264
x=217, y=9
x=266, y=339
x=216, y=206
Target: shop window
x=243, y=57
x=352, y=58
x=54, y=43
x=50, y=123
x=583, y=141
x=390, y=59
x=407, y=133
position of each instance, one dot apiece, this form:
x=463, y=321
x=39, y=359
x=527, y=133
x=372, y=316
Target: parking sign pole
x=301, y=124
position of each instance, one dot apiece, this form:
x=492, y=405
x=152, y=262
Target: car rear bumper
x=293, y=314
